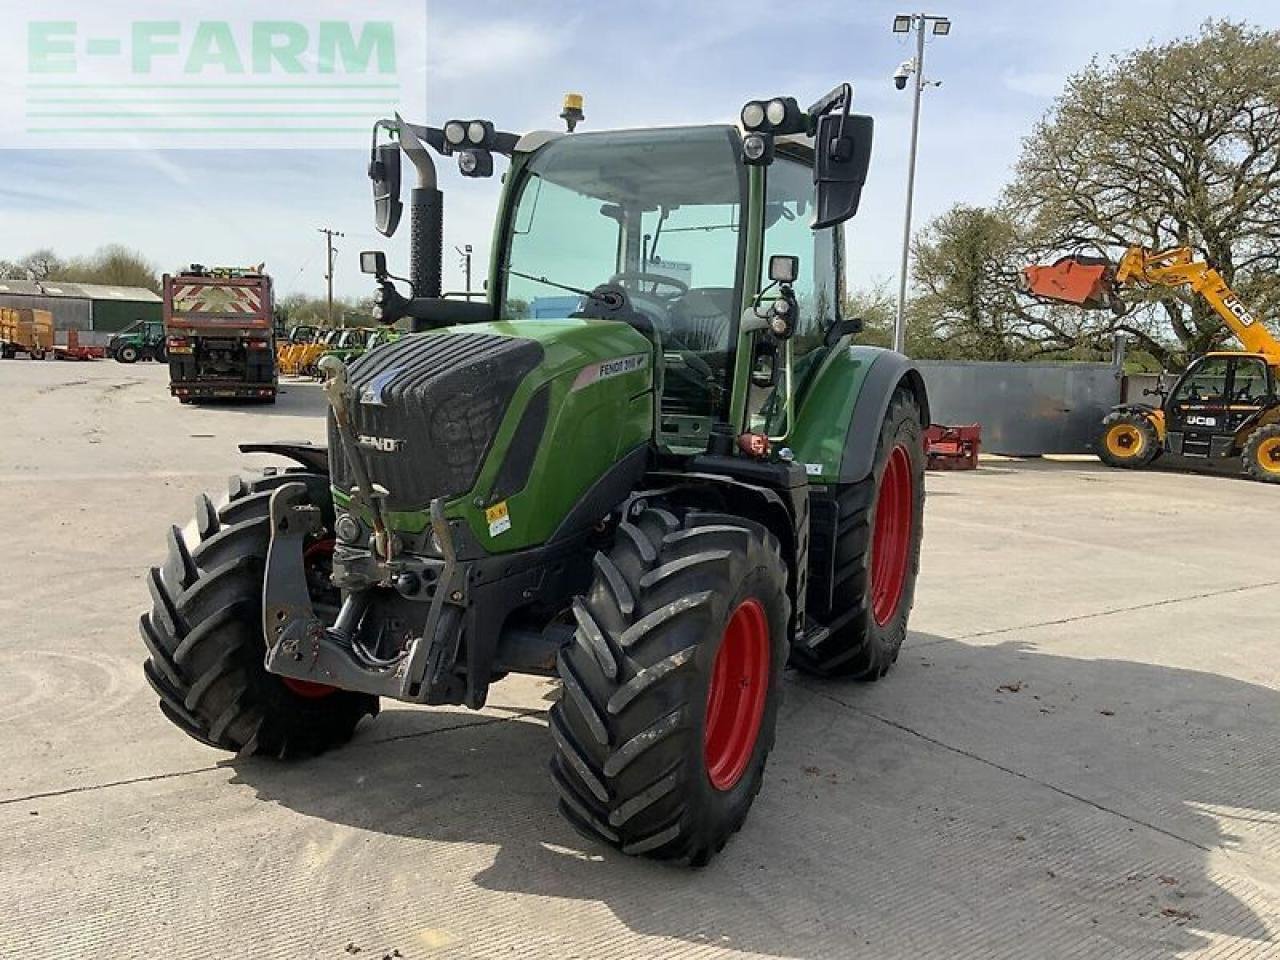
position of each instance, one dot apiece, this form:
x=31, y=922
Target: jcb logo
x=1239, y=310
x=381, y=444
x=1196, y=421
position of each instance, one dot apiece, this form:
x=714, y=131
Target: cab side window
x=789, y=208
x=1207, y=383
x=1250, y=383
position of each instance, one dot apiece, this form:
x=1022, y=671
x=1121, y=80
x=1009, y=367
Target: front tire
x=1262, y=454
x=672, y=685
x=205, y=642
x=1128, y=440
x=127, y=354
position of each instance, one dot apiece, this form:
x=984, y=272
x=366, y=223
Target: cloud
x=1045, y=84
x=473, y=50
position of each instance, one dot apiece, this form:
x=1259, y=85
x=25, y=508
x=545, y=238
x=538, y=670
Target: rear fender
x=838, y=423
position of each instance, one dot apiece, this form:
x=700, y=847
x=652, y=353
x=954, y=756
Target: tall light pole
x=905, y=23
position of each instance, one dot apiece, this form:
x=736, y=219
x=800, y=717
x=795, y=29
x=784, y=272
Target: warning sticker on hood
x=606, y=369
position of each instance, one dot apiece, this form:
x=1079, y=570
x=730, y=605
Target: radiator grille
x=429, y=406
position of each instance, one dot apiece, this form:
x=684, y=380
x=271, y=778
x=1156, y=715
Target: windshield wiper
x=558, y=286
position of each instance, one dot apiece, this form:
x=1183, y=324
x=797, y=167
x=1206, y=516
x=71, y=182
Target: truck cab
x=220, y=334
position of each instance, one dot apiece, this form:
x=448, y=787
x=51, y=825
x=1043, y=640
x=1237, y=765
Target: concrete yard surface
x=1077, y=755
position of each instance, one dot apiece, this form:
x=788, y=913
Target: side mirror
x=373, y=262
x=784, y=268
x=384, y=171
x=842, y=146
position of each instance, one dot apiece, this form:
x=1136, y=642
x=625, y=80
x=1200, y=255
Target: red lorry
x=220, y=334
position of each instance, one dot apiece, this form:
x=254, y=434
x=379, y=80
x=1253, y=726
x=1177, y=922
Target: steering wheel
x=641, y=276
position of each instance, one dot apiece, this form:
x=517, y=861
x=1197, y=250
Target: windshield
x=657, y=212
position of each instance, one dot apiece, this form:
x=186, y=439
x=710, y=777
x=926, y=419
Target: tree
x=113, y=265
x=298, y=308
x=876, y=307
x=1170, y=145
x=966, y=267
x=38, y=266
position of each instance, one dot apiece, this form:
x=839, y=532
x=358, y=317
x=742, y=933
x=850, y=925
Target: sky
x=643, y=63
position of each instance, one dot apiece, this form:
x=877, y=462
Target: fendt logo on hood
x=381, y=444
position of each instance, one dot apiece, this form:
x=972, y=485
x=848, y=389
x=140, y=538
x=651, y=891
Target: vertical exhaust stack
x=426, y=212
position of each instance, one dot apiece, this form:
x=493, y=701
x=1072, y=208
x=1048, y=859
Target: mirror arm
x=841, y=95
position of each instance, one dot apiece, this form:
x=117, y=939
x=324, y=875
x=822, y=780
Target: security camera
x=904, y=71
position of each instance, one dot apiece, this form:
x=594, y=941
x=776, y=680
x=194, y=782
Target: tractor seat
x=700, y=318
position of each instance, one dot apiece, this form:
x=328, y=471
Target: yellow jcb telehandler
x=1226, y=403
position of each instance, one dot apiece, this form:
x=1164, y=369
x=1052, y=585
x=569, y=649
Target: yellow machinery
x=288, y=349
x=26, y=331
x=302, y=357
x=1226, y=403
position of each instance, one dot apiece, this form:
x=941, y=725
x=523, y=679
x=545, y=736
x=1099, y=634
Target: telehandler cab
x=677, y=479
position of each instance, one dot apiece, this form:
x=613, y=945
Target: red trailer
x=73, y=349
x=219, y=334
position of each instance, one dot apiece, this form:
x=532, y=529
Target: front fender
x=838, y=421
x=1154, y=414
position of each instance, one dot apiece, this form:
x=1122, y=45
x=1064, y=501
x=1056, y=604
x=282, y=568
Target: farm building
x=96, y=310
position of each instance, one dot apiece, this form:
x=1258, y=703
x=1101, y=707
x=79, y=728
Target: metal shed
x=91, y=308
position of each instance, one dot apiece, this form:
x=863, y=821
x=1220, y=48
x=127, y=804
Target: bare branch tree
x=1173, y=144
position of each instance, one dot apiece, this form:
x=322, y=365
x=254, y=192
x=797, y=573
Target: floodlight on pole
x=903, y=23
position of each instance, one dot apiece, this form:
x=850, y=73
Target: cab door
x=1198, y=408
x=1251, y=390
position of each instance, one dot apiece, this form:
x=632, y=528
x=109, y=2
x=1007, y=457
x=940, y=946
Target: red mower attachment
x=1087, y=282
x=952, y=448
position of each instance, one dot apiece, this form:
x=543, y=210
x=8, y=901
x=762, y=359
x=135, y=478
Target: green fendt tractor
x=650, y=464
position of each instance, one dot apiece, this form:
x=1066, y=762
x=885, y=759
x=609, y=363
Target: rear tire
x=672, y=685
x=1128, y=440
x=204, y=636
x=880, y=524
x=1262, y=454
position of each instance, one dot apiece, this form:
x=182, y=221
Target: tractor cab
x=721, y=244
x=660, y=219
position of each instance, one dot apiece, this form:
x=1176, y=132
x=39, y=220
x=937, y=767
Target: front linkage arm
x=301, y=646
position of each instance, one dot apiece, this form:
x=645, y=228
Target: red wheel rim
x=318, y=552
x=736, y=697
x=891, y=538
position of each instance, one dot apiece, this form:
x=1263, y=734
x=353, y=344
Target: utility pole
x=465, y=253
x=903, y=23
x=329, y=234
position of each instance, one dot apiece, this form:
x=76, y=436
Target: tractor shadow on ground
x=976, y=796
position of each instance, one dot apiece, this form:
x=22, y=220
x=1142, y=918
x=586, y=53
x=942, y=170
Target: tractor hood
x=531, y=412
